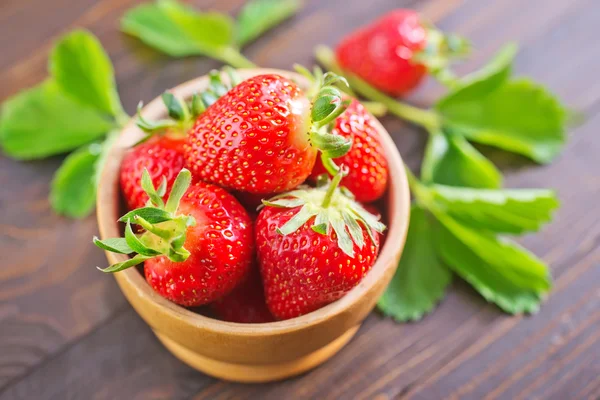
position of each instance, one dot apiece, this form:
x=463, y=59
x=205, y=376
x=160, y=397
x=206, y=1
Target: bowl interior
x=109, y=210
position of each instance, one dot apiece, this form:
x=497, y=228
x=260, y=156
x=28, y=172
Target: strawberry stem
x=166, y=240
x=426, y=118
x=234, y=58
x=335, y=182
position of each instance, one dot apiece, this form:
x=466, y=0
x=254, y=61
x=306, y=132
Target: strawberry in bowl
x=259, y=350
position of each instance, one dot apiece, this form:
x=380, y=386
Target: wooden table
x=66, y=332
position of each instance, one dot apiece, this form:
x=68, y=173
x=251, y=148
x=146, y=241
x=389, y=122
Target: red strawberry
x=313, y=246
x=262, y=136
x=162, y=156
x=246, y=304
x=213, y=226
x=368, y=175
x=395, y=52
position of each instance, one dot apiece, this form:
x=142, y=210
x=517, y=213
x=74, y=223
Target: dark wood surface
x=66, y=332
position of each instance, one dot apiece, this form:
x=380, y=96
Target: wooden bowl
x=252, y=352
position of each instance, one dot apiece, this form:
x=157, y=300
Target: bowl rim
x=108, y=207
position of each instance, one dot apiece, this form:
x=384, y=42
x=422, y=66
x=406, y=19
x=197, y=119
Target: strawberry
x=263, y=135
x=396, y=51
x=161, y=151
x=213, y=226
x=368, y=175
x=162, y=156
x=313, y=246
x=246, y=304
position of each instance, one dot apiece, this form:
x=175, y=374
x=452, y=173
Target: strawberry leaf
x=500, y=270
x=73, y=189
x=132, y=262
x=151, y=214
x=179, y=31
x=83, y=71
x=114, y=245
x=421, y=279
x=489, y=77
x=166, y=239
x=451, y=160
x=518, y=116
x=136, y=244
x=259, y=16
x=43, y=121
x=513, y=211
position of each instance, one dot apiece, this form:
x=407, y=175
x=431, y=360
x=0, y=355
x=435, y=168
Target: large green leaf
x=500, y=270
x=258, y=16
x=504, y=210
x=73, y=190
x=518, y=116
x=451, y=160
x=42, y=121
x=82, y=69
x=179, y=30
x=421, y=279
x=487, y=78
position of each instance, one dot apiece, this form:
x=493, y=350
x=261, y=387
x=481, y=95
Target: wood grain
x=67, y=332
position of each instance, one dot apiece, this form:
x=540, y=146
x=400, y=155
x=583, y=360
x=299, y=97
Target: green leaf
x=152, y=25
x=451, y=160
x=138, y=259
x=73, y=189
x=178, y=30
x=258, y=16
x=115, y=245
x=519, y=116
x=151, y=214
x=136, y=244
x=210, y=31
x=175, y=107
x=42, y=121
x=490, y=76
x=507, y=211
x=180, y=186
x=82, y=69
x=500, y=270
x=422, y=278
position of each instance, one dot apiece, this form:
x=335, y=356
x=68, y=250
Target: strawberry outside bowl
x=252, y=352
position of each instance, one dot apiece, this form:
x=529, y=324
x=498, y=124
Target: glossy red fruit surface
x=220, y=245
x=368, y=168
x=382, y=53
x=162, y=156
x=254, y=138
x=246, y=304
x=304, y=271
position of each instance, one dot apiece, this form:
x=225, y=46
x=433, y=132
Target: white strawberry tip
x=165, y=229
x=331, y=208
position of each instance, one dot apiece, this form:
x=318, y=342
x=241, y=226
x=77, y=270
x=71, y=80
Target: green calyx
x=182, y=114
x=441, y=51
x=326, y=105
x=333, y=208
x=165, y=230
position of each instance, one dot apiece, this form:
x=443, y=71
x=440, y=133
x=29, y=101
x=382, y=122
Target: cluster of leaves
x=180, y=31
x=460, y=216
x=74, y=109
x=77, y=109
